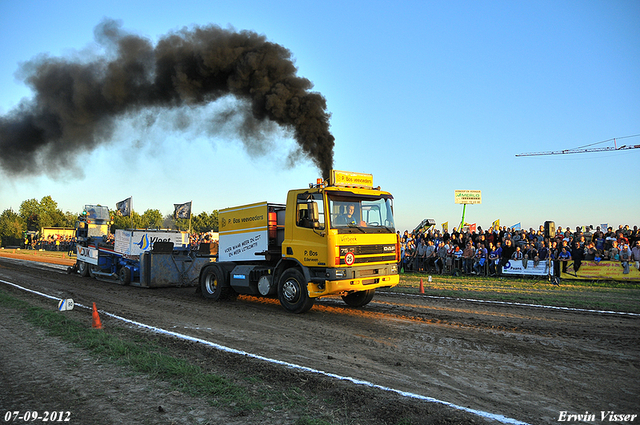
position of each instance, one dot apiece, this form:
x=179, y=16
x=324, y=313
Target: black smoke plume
x=76, y=101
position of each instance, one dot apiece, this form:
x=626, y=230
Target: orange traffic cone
x=421, y=287
x=95, y=322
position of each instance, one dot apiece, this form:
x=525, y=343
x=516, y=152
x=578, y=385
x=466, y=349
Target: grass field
x=613, y=296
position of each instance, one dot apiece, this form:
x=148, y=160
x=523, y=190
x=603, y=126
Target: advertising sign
x=243, y=232
x=135, y=242
x=516, y=267
x=602, y=270
x=468, y=197
x=347, y=178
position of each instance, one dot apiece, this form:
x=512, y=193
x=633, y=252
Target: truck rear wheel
x=293, y=293
x=213, y=284
x=360, y=298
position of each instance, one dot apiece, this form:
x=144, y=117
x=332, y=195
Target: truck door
x=308, y=242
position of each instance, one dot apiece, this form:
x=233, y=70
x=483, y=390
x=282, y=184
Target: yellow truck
x=337, y=237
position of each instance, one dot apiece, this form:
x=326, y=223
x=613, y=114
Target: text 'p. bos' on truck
x=334, y=238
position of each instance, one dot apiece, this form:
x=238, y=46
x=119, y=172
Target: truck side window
x=310, y=211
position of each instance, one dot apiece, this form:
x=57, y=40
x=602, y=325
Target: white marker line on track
x=483, y=414
x=582, y=310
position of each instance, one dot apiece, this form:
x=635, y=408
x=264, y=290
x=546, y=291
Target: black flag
x=124, y=207
x=182, y=210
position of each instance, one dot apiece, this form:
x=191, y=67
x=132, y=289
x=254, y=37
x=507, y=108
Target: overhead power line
x=586, y=149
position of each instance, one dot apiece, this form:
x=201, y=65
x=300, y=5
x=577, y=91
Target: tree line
x=33, y=215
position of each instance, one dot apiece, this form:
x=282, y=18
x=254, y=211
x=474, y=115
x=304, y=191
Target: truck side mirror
x=313, y=215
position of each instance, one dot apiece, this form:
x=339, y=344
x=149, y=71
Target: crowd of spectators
x=486, y=252
x=50, y=242
x=196, y=239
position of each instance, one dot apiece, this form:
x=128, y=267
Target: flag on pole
x=496, y=225
x=124, y=207
x=445, y=227
x=182, y=210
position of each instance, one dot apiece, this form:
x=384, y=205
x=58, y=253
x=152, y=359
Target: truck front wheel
x=213, y=284
x=360, y=298
x=83, y=268
x=293, y=293
x=124, y=276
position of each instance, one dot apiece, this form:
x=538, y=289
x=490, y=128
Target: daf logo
x=389, y=248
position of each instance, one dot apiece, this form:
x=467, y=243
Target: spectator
x=625, y=257
x=564, y=257
x=507, y=251
x=494, y=259
x=421, y=254
x=614, y=252
x=467, y=258
x=577, y=254
x=635, y=254
x=517, y=254
x=590, y=252
x=480, y=259
x=442, y=257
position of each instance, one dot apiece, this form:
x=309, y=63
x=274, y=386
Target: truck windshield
x=366, y=214
x=97, y=212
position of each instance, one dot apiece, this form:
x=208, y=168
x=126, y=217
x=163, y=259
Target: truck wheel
x=92, y=269
x=83, y=268
x=124, y=276
x=213, y=284
x=360, y=298
x=293, y=293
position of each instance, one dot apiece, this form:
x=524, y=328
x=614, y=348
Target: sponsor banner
x=135, y=242
x=87, y=254
x=243, y=246
x=347, y=178
x=517, y=267
x=247, y=217
x=468, y=197
x=602, y=270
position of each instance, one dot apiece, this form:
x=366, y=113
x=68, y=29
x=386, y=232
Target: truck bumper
x=333, y=287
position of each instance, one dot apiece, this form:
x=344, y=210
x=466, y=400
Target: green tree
x=12, y=227
x=200, y=223
x=43, y=213
x=132, y=222
x=151, y=219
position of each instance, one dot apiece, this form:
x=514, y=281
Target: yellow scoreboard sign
x=468, y=197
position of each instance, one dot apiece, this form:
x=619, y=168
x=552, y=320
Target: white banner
x=87, y=254
x=243, y=246
x=517, y=267
x=135, y=242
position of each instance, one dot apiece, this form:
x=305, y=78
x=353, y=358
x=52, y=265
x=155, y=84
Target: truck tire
x=124, y=276
x=213, y=284
x=293, y=293
x=360, y=298
x=83, y=268
x=92, y=268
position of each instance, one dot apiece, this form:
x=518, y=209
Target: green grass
x=140, y=355
x=615, y=296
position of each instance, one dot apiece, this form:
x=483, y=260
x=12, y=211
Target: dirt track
x=525, y=363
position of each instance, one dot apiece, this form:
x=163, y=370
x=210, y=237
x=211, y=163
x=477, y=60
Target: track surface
x=525, y=363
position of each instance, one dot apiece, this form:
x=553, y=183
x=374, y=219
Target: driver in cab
x=350, y=217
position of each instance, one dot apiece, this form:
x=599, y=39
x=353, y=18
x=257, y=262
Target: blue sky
x=429, y=97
